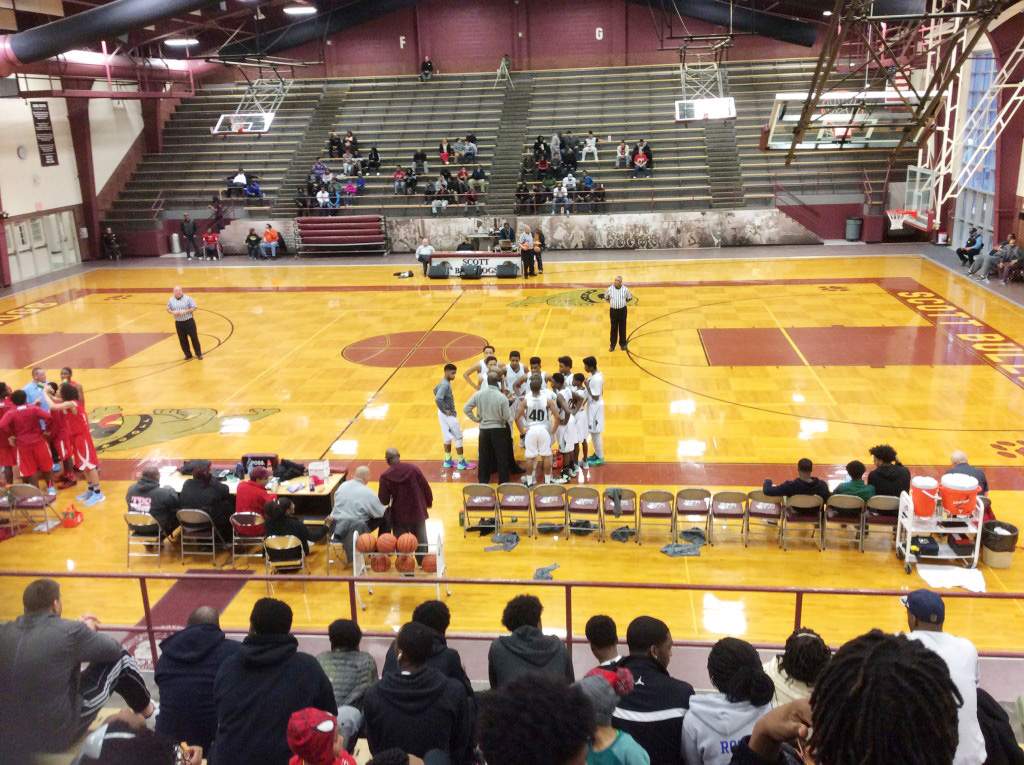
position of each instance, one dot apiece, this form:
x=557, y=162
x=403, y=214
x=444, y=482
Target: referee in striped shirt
x=618, y=297
x=181, y=307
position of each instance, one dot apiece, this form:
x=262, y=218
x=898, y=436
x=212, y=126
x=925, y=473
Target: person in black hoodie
x=418, y=709
x=147, y=496
x=653, y=712
x=889, y=476
x=258, y=688
x=435, y=614
x=1001, y=747
x=201, y=492
x=527, y=651
x=185, y=672
x=804, y=483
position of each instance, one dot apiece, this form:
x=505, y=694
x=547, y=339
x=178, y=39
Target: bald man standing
x=181, y=307
x=404, y=489
x=356, y=510
x=618, y=298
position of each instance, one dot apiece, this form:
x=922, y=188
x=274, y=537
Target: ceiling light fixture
x=181, y=42
x=826, y=13
x=300, y=10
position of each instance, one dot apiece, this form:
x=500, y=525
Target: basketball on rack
x=408, y=543
x=405, y=563
x=386, y=543
x=380, y=563
x=366, y=543
x=429, y=563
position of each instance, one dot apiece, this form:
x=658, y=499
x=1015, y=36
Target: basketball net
x=898, y=217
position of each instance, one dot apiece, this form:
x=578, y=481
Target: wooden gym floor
x=737, y=368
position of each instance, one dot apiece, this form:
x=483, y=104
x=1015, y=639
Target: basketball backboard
x=706, y=109
x=240, y=124
x=842, y=120
x=920, y=196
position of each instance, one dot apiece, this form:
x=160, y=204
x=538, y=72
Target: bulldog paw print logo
x=1011, y=449
x=833, y=288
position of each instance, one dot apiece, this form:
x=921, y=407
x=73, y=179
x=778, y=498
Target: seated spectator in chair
x=622, y=154
x=350, y=144
x=334, y=146
x=716, y=721
x=961, y=465
x=465, y=245
x=261, y=685
x=147, y=496
x=856, y=486
x=653, y=713
x=185, y=674
x=252, y=495
x=323, y=200
x=350, y=670
x=373, y=160
x=541, y=148
x=47, y=699
x=1003, y=251
x=795, y=671
x=560, y=198
x=469, y=151
x=419, y=161
x=889, y=477
x=426, y=69
x=435, y=615
x=527, y=651
x=1009, y=269
x=281, y=521
x=423, y=253
x=444, y=151
x=803, y=484
x=478, y=179
x=971, y=248
x=569, y=160
x=271, y=241
x=211, y=245
x=398, y=180
x=604, y=641
x=202, y=492
x=507, y=234
x=320, y=168
x=319, y=738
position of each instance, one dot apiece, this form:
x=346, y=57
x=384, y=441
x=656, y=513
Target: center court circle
x=414, y=349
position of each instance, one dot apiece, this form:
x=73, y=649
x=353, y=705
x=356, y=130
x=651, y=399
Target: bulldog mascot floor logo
x=113, y=430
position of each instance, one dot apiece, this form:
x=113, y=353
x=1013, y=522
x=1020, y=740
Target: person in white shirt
x=595, y=410
x=423, y=253
x=565, y=433
x=622, y=154
x=925, y=616
x=560, y=197
x=579, y=389
x=323, y=198
x=569, y=181
x=356, y=510
x=795, y=671
x=618, y=298
x=589, y=146
x=541, y=416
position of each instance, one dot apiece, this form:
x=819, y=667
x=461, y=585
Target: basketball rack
x=362, y=565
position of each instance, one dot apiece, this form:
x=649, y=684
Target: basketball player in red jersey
x=58, y=433
x=82, y=448
x=33, y=453
x=8, y=458
x=66, y=374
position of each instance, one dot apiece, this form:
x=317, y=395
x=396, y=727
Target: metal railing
x=567, y=587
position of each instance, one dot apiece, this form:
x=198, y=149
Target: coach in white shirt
x=618, y=298
x=925, y=615
x=423, y=253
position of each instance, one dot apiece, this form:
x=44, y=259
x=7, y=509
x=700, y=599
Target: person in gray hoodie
x=147, y=496
x=350, y=670
x=716, y=722
x=527, y=650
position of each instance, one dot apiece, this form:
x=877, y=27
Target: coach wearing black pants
x=618, y=298
x=490, y=408
x=188, y=237
x=181, y=307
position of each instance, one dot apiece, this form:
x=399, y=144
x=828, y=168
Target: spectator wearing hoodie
x=889, y=476
x=417, y=709
x=258, y=688
x=188, y=664
x=653, y=713
x=527, y=651
x=803, y=484
x=404, y=490
x=447, y=661
x=350, y=670
x=716, y=722
x=603, y=688
x=795, y=671
x=147, y=496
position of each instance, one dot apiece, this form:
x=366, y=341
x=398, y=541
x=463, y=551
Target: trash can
x=998, y=540
x=175, y=244
x=853, y=229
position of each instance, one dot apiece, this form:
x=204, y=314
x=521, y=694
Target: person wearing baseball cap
x=926, y=614
x=252, y=495
x=315, y=738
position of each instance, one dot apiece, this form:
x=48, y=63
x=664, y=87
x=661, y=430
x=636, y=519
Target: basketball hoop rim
x=898, y=217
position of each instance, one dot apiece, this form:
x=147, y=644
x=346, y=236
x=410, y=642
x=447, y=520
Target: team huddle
x=560, y=409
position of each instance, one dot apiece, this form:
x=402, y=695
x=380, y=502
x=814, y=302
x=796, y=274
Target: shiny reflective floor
x=736, y=369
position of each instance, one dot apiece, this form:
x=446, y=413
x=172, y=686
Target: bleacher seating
x=342, y=235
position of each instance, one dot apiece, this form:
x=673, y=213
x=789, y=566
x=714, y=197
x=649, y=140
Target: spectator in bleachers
x=237, y=182
x=472, y=199
x=569, y=181
x=542, y=195
x=856, y=486
x=803, y=484
x=185, y=672
x=320, y=168
x=542, y=169
x=603, y=688
x=586, y=181
x=435, y=615
x=478, y=179
x=147, y=496
x=971, y=248
x=350, y=671
x=349, y=163
x=271, y=241
x=334, y=146
x=569, y=159
x=604, y=641
x=653, y=712
x=716, y=722
x=258, y=688
x=319, y=738
x=323, y=200
x=398, y=180
x=351, y=189
x=252, y=240
x=469, y=150
x=640, y=165
x=46, y=699
x=961, y=465
x=556, y=148
x=598, y=198
x=302, y=200
x=440, y=199
x=462, y=174
x=524, y=199
x=426, y=69
x=589, y=146
x=795, y=671
x=458, y=149
x=444, y=151
x=410, y=181
x=458, y=186
x=560, y=198
x=350, y=143
x=622, y=154
x=527, y=651
x=419, y=161
x=569, y=141
x=641, y=158
x=201, y=492
x=252, y=188
x=281, y=522
x=582, y=200
x=252, y=495
x=541, y=148
x=373, y=160
x=889, y=477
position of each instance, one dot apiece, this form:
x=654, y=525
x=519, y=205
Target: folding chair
x=803, y=510
x=549, y=499
x=246, y=535
x=197, y=531
x=767, y=511
x=513, y=506
x=843, y=510
x=626, y=505
x=730, y=506
x=284, y=544
x=8, y=511
x=585, y=501
x=696, y=503
x=881, y=510
x=138, y=524
x=479, y=506
x=33, y=504
x=656, y=505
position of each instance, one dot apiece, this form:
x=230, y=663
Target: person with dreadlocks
x=925, y=614
x=717, y=721
x=882, y=700
x=796, y=669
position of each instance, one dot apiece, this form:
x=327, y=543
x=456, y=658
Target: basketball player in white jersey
x=542, y=416
x=582, y=398
x=595, y=410
x=535, y=371
x=565, y=433
x=479, y=369
x=515, y=375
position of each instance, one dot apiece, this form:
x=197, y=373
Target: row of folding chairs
x=512, y=506
x=23, y=503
